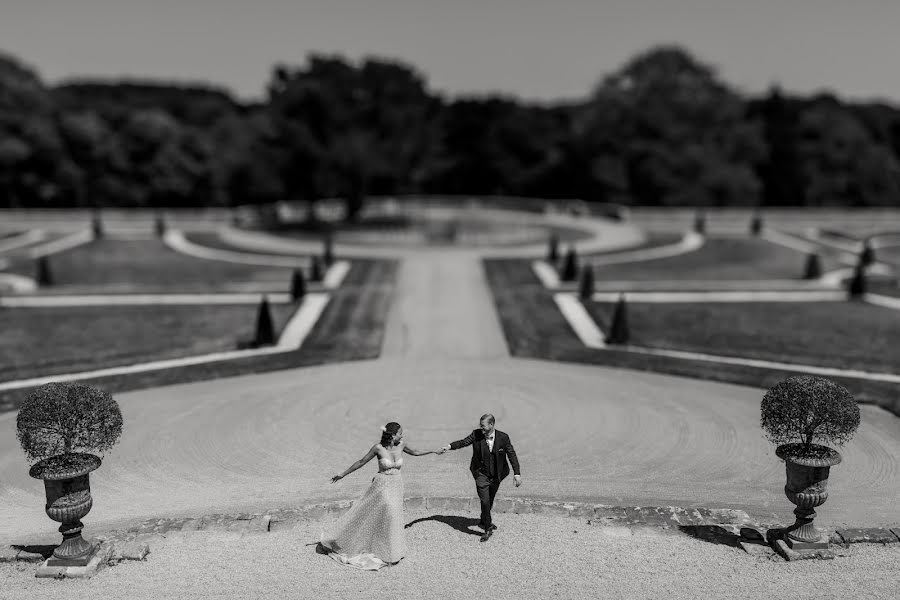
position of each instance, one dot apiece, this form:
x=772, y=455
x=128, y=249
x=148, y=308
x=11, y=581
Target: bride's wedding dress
x=370, y=534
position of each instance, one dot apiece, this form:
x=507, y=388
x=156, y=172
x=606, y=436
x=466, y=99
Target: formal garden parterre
x=800, y=321
x=112, y=302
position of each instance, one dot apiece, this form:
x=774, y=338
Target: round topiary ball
x=803, y=409
x=65, y=418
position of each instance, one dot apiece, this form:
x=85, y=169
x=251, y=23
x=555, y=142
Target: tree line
x=663, y=130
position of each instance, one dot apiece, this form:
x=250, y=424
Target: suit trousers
x=487, y=488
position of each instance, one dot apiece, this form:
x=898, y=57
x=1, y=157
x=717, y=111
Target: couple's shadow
x=462, y=524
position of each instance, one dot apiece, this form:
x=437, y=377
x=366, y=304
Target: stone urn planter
x=807, y=488
x=67, y=484
x=794, y=414
x=61, y=426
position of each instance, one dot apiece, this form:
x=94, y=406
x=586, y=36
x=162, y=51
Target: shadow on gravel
x=463, y=524
x=43, y=549
x=713, y=534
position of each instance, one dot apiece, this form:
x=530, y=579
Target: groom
x=490, y=450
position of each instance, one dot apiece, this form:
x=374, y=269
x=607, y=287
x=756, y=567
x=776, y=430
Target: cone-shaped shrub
x=700, y=222
x=618, y=330
x=570, y=266
x=160, y=226
x=858, y=282
x=97, y=225
x=586, y=289
x=328, y=253
x=298, y=285
x=756, y=224
x=44, y=274
x=315, y=269
x=867, y=255
x=265, y=331
x=813, y=268
x=553, y=249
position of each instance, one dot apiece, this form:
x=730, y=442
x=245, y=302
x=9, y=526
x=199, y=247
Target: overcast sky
x=537, y=50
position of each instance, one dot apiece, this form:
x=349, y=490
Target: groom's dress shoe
x=487, y=535
x=493, y=527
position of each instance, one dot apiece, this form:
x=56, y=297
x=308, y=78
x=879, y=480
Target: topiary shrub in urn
x=797, y=413
x=61, y=425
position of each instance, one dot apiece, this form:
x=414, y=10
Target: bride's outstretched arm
x=369, y=456
x=415, y=452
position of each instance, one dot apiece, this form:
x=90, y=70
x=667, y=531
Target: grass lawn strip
x=840, y=335
x=177, y=241
x=534, y=327
x=214, y=241
x=290, y=339
x=689, y=242
x=718, y=259
x=51, y=341
x=801, y=244
x=350, y=327
x=15, y=241
x=144, y=264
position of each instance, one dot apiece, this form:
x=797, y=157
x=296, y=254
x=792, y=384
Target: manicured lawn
x=146, y=264
x=845, y=335
x=212, y=240
x=889, y=254
x=654, y=239
x=718, y=258
x=350, y=328
x=535, y=328
x=45, y=341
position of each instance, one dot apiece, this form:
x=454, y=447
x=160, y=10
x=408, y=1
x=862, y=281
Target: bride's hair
x=389, y=431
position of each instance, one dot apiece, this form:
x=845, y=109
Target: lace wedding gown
x=370, y=534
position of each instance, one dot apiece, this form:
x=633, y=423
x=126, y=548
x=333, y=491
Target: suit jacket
x=503, y=454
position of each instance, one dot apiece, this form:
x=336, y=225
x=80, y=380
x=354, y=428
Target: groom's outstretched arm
x=466, y=441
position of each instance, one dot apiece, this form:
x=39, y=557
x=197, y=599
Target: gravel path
x=531, y=556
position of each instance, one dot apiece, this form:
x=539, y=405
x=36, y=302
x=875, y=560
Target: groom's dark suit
x=488, y=467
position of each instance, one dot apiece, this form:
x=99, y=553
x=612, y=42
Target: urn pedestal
x=68, y=501
x=806, y=487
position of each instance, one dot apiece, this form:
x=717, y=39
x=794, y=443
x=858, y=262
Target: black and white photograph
x=446, y=300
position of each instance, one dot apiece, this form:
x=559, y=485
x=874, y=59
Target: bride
x=370, y=534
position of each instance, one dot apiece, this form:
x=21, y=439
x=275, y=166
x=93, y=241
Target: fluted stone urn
x=807, y=470
x=67, y=484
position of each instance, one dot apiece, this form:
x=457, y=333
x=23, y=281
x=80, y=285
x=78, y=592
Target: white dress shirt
x=490, y=442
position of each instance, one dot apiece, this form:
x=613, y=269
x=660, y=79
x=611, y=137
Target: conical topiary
x=298, y=285
x=756, y=224
x=813, y=269
x=553, y=249
x=858, y=283
x=44, y=274
x=700, y=222
x=867, y=255
x=315, y=269
x=160, y=225
x=618, y=330
x=586, y=289
x=97, y=225
x=570, y=266
x=328, y=253
x=265, y=331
